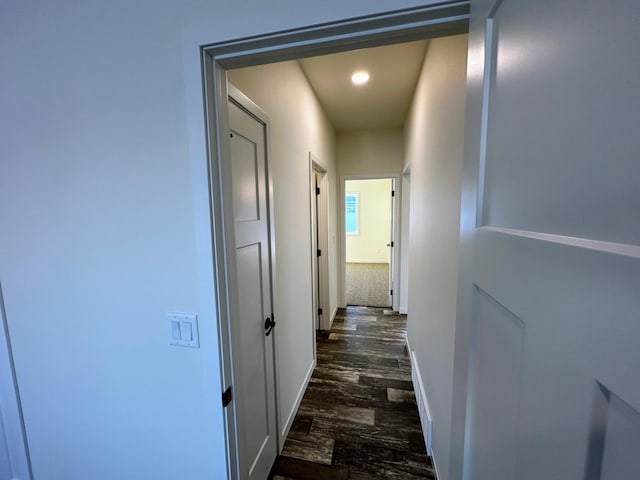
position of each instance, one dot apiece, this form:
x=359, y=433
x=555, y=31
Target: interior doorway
x=375, y=30
x=368, y=213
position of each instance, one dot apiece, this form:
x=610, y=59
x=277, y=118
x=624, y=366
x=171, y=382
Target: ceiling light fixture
x=360, y=78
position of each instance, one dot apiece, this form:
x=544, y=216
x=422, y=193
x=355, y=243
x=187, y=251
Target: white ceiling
x=381, y=103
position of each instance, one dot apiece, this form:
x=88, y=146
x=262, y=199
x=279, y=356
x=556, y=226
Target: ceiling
x=381, y=103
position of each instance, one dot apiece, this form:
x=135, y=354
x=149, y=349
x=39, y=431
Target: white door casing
x=315, y=247
x=546, y=369
x=405, y=212
x=395, y=227
x=253, y=349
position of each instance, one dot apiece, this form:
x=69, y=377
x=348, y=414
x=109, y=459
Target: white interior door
x=315, y=242
x=550, y=278
x=392, y=245
x=253, y=355
x=318, y=190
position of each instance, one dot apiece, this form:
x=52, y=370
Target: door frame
x=405, y=232
x=419, y=23
x=395, y=229
x=320, y=269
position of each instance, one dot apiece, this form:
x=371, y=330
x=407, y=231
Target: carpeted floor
x=367, y=284
x=358, y=419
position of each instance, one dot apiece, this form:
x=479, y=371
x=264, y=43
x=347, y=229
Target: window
x=351, y=213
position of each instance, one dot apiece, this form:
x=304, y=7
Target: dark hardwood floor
x=358, y=418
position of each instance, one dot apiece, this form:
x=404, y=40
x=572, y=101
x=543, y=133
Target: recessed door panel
x=494, y=387
x=253, y=390
x=245, y=179
x=561, y=94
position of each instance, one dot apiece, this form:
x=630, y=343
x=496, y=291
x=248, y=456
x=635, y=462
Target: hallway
x=358, y=418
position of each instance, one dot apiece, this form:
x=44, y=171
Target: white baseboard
x=435, y=465
x=421, y=399
x=403, y=310
x=296, y=405
x=333, y=316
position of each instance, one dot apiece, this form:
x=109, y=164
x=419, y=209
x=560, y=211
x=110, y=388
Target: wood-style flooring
x=358, y=418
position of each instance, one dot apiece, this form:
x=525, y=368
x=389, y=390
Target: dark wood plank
x=303, y=470
x=360, y=401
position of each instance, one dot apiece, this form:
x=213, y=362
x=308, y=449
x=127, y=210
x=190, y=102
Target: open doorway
x=368, y=215
x=282, y=93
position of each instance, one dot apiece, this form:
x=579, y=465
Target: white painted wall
x=105, y=227
x=298, y=126
x=434, y=148
x=370, y=152
x=98, y=243
x=369, y=245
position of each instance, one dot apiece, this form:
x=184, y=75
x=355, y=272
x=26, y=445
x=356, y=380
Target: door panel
x=246, y=204
x=559, y=94
x=550, y=266
x=5, y=466
x=252, y=392
x=496, y=354
x=14, y=457
x=253, y=356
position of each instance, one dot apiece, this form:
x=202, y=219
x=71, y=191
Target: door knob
x=269, y=323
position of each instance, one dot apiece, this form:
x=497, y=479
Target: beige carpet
x=368, y=284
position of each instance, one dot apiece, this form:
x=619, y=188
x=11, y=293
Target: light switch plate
x=183, y=329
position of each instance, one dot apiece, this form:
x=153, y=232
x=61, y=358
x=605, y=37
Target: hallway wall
x=434, y=148
x=370, y=152
x=298, y=126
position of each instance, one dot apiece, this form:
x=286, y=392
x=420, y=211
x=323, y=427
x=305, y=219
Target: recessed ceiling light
x=360, y=77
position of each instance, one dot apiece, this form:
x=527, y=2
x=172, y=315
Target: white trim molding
x=296, y=405
x=421, y=399
x=423, y=404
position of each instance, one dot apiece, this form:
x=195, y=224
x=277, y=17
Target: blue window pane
x=351, y=213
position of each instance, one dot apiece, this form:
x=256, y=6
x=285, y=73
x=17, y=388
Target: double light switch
x=183, y=329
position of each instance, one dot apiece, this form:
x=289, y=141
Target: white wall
x=370, y=152
x=369, y=245
x=98, y=243
x=298, y=126
x=434, y=147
